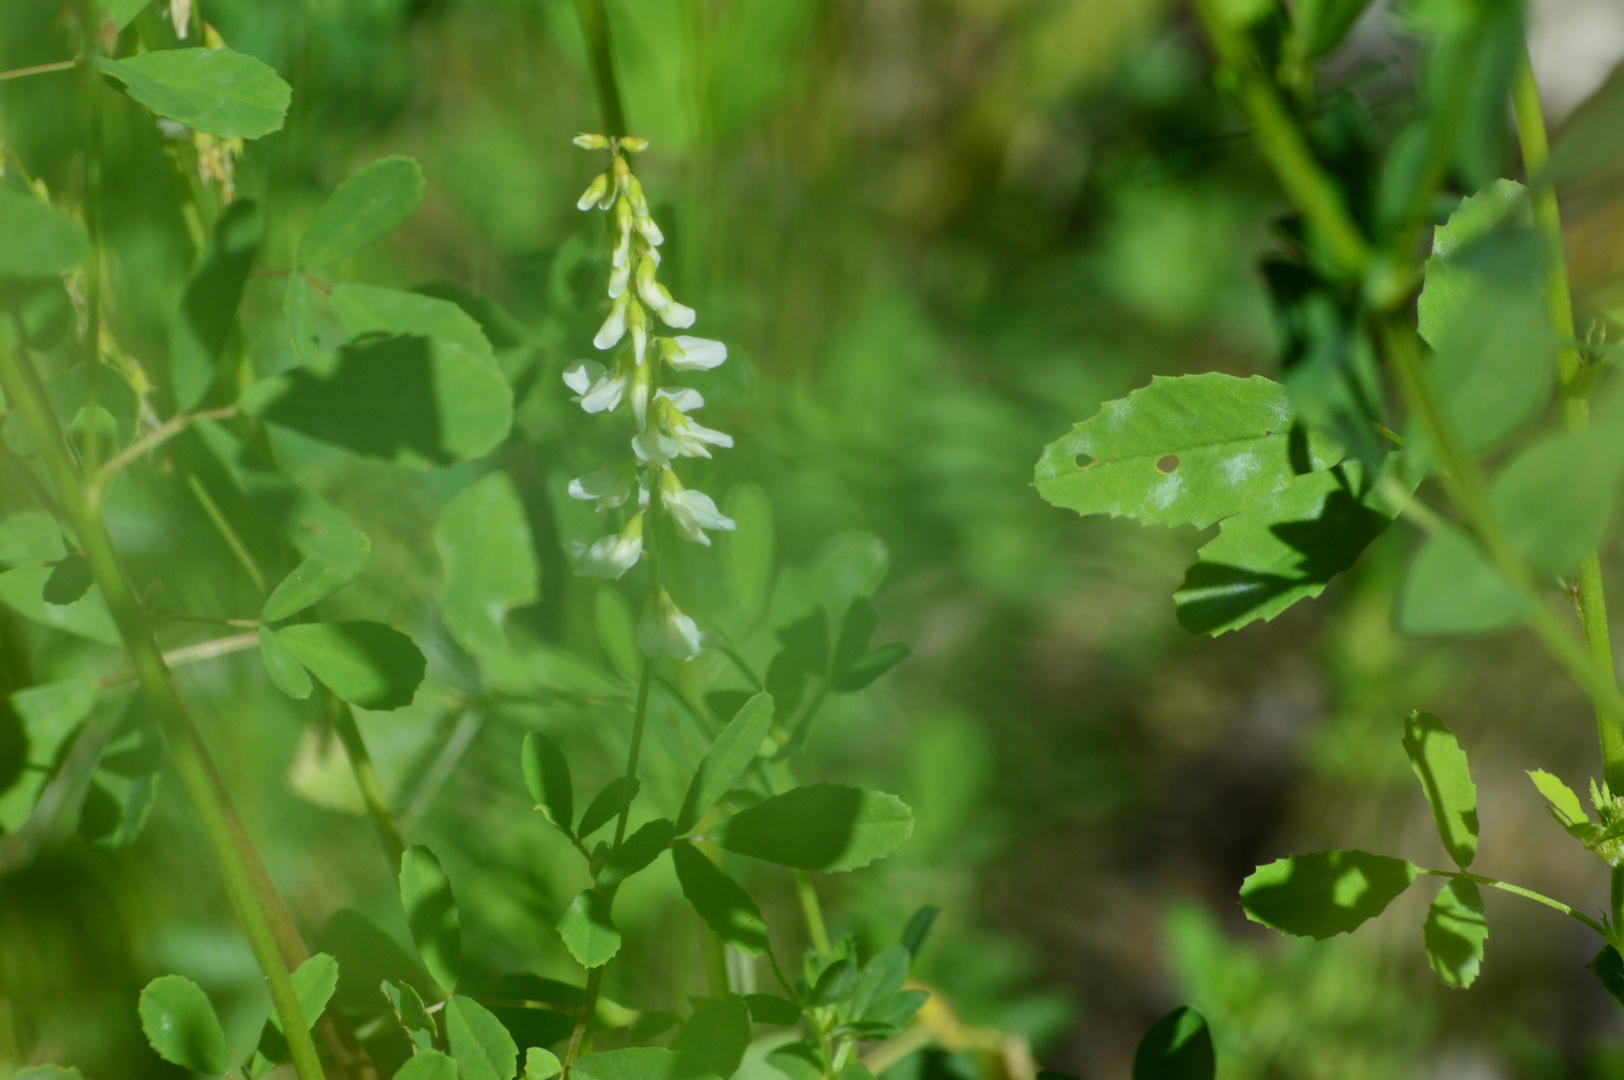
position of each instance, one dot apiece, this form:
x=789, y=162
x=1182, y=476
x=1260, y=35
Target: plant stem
x=1527, y=894
x=595, y=25
x=176, y=424
x=38, y=69
x=366, y=778
x=715, y=962
x=816, y=931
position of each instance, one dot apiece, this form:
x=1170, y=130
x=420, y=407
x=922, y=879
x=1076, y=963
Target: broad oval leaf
x=208, y=309
x=482, y=1047
x=588, y=931
x=1440, y=765
x=313, y=984
x=827, y=827
x=541, y=1063
x=640, y=1063
x=1454, y=933
x=490, y=562
x=431, y=914
x=217, y=91
x=716, y=1035
x=428, y=1065
x=1451, y=589
x=636, y=852
x=1176, y=1047
x=365, y=208
x=726, y=908
x=182, y=1026
x=734, y=749
x=1556, y=496
x=365, y=663
x=41, y=241
x=1183, y=451
x=287, y=674
x=371, y=309
x=547, y=779
x=1325, y=893
x=299, y=309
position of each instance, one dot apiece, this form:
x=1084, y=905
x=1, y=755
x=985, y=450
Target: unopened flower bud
x=632, y=144
x=589, y=141
x=594, y=192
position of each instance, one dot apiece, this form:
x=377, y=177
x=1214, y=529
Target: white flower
x=674, y=314
x=608, y=490
x=656, y=298
x=686, y=353
x=623, y=233
x=611, y=556
x=673, y=434
x=596, y=388
x=665, y=628
x=614, y=327
x=180, y=13
x=617, y=280
x=692, y=511
x=649, y=231
x=594, y=193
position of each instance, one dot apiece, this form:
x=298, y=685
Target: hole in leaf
x=1083, y=461
x=1167, y=464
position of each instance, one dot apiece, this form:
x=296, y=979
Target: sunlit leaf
x=1454, y=933
x=1326, y=893
x=826, y=827
x=365, y=663
x=217, y=91
x=482, y=1047
x=431, y=914
x=588, y=931
x=1440, y=765
x=362, y=210
x=181, y=1025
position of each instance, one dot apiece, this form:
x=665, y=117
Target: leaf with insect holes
x=365, y=663
x=828, y=827
x=181, y=1025
x=1440, y=765
x=547, y=779
x=1454, y=933
x=1177, y=1047
x=41, y=241
x=365, y=208
x=728, y=757
x=1325, y=893
x=431, y=914
x=726, y=908
x=1183, y=451
x=217, y=91
x=588, y=931
x=207, y=314
x=490, y=562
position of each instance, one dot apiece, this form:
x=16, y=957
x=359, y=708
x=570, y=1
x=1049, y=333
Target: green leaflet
x=1326, y=893
x=208, y=310
x=287, y=674
x=482, y=1047
x=181, y=1025
x=1565, y=804
x=636, y=852
x=123, y=12
x=1440, y=765
x=716, y=1035
x=547, y=779
x=640, y=1063
x=369, y=309
x=41, y=241
x=414, y=1018
x=1286, y=546
x=41, y=721
x=734, y=749
x=541, y=1064
x=588, y=931
x=218, y=91
x=726, y=908
x=299, y=309
x=826, y=827
x=1608, y=967
x=883, y=975
x=837, y=983
x=365, y=208
x=365, y=663
x=70, y=579
x=367, y=957
x=1454, y=933
x=23, y=591
x=313, y=984
x=431, y=914
x=1183, y=451
x=1176, y=1047
x=490, y=563
x=1555, y=497
x=772, y=1009
x=428, y=1065
x=1451, y=589
x=616, y=795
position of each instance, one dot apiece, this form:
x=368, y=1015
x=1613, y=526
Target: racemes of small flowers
x=666, y=430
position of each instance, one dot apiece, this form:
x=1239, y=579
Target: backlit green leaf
x=1182, y=451
x=1440, y=765
x=365, y=663
x=726, y=760
x=716, y=1035
x=217, y=91
x=490, y=565
x=1177, y=1047
x=1564, y=803
x=181, y=1025
x=482, y=1047
x=1326, y=893
x=588, y=931
x=363, y=209
x=431, y=914
x=1454, y=932
x=826, y=827
x=41, y=241
x=287, y=674
x=313, y=984
x=640, y=1063
x=208, y=309
x=547, y=778
x=726, y=908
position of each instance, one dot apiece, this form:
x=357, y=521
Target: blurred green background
x=933, y=233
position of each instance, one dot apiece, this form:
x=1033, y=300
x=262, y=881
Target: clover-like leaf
x=482, y=1047
x=431, y=914
x=726, y=908
x=728, y=757
x=588, y=931
x=1177, y=1047
x=1325, y=893
x=1454, y=933
x=547, y=779
x=365, y=663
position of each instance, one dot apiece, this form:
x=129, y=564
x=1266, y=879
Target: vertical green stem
x=715, y=962
x=595, y=25
x=366, y=778
x=258, y=907
x=816, y=931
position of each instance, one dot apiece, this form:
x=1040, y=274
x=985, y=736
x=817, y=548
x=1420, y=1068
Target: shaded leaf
x=208, y=310
x=748, y=550
x=728, y=757
x=1608, y=967
x=431, y=914
x=535, y=1010
x=287, y=674
x=1177, y=1047
x=772, y=1009
x=218, y=91
x=797, y=1060
x=1555, y=497
x=716, y=1035
x=918, y=928
x=365, y=208
x=365, y=663
x=428, y=1065
x=1451, y=589
x=1326, y=893
x=826, y=827
x=547, y=779
x=370, y=309
x=837, y=983
x=588, y=931
x=490, y=563
x=41, y=241
x=883, y=975
x=69, y=581
x=869, y=667
x=726, y=908
x=616, y=795
x=1323, y=24
x=636, y=852
x=181, y=1025
x=1440, y=765
x=481, y=1046
x=299, y=308
x=414, y=1018
x=639, y=1063
x=23, y=591
x=367, y=957
x=1454, y=933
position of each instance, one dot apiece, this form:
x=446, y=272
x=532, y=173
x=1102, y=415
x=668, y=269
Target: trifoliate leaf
x=217, y=91
x=287, y=674
x=726, y=908
x=547, y=779
x=482, y=1047
x=1177, y=1047
x=365, y=663
x=41, y=241
x=362, y=210
x=636, y=852
x=640, y=1063
x=181, y=1025
x=431, y=914
x=208, y=309
x=1284, y=547
x=1440, y=765
x=728, y=757
x=1454, y=932
x=1326, y=893
x=490, y=562
x=1183, y=451
x=588, y=931
x=826, y=827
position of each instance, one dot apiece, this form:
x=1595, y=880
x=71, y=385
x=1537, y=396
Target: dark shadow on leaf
x=1324, y=893
x=536, y=1011
x=1177, y=1047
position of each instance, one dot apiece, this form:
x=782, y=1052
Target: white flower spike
x=596, y=387
x=611, y=556
x=692, y=512
x=684, y=353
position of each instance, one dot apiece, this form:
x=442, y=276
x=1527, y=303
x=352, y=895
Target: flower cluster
x=666, y=429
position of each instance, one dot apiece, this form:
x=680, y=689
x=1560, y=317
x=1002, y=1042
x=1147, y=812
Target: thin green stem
x=366, y=778
x=715, y=962
x=259, y=908
x=812, y=910
x=595, y=26
x=1527, y=894
x=217, y=518
x=91, y=30
x=39, y=69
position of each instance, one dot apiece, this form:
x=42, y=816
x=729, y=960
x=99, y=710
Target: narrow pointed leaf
x=313, y=984
x=728, y=757
x=362, y=210
x=547, y=778
x=1440, y=765
x=1454, y=933
x=1326, y=893
x=636, y=852
x=217, y=91
x=726, y=908
x=826, y=827
x=616, y=795
x=431, y=914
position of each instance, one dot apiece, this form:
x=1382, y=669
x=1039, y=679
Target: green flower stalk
x=666, y=430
